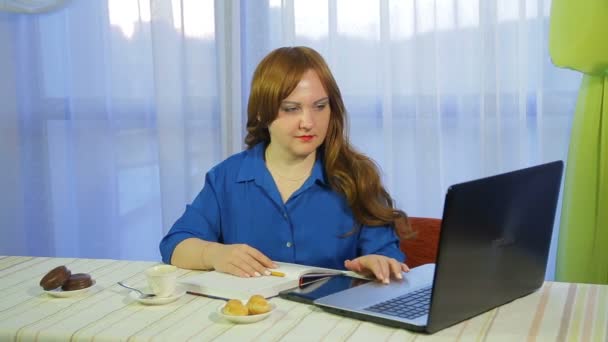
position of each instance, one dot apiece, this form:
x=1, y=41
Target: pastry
x=77, y=281
x=235, y=307
x=55, y=278
x=258, y=305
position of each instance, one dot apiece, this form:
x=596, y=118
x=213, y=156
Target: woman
x=300, y=193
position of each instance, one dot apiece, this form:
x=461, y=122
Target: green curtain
x=578, y=39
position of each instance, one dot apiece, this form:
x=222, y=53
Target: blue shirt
x=240, y=203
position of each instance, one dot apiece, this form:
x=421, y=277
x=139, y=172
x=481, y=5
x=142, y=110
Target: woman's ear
x=262, y=124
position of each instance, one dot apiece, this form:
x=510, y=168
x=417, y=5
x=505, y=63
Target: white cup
x=162, y=279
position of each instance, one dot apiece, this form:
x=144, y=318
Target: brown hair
x=348, y=172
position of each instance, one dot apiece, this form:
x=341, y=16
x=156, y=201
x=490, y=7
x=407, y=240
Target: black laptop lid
x=494, y=242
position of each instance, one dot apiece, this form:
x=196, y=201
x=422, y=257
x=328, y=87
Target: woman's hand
x=241, y=260
x=379, y=265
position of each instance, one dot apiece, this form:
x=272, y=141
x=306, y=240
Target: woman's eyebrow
x=290, y=102
x=299, y=104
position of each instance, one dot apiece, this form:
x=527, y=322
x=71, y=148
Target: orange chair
x=422, y=248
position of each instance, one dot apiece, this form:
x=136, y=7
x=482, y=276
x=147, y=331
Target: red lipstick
x=305, y=138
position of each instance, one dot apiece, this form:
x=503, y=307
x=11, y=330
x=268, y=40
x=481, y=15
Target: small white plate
x=179, y=292
x=245, y=319
x=58, y=292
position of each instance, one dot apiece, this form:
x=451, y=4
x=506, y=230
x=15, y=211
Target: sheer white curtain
x=110, y=118
x=31, y=6
x=112, y=111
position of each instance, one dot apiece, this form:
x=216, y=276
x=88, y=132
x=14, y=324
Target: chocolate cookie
x=55, y=278
x=77, y=281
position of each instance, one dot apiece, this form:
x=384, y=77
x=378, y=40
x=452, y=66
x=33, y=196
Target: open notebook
x=227, y=286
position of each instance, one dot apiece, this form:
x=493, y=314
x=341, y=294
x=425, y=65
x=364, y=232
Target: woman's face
x=301, y=124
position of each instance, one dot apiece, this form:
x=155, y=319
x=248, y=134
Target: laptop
x=493, y=248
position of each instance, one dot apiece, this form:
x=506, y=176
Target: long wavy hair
x=348, y=172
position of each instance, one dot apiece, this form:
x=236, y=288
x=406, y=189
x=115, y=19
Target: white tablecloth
x=559, y=311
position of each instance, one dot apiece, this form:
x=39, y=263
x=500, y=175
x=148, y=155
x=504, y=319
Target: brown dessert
x=258, y=305
x=55, y=278
x=235, y=307
x=77, y=281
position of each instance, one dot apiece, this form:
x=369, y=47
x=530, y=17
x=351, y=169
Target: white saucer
x=179, y=292
x=58, y=292
x=245, y=319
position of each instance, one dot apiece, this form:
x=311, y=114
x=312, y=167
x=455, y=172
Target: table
x=557, y=312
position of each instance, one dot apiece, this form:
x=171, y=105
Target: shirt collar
x=254, y=166
x=318, y=171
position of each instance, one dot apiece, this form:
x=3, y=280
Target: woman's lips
x=305, y=138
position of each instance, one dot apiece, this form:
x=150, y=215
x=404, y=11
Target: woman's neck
x=288, y=167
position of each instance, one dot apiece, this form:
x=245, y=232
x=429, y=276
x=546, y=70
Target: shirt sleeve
x=201, y=219
x=380, y=240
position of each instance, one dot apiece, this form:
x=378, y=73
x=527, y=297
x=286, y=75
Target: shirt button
x=289, y=244
x=285, y=215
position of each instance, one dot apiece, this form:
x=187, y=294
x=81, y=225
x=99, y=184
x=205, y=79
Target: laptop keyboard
x=408, y=306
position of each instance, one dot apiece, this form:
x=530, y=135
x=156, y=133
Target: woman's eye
x=321, y=106
x=290, y=109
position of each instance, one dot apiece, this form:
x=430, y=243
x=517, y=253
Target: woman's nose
x=306, y=121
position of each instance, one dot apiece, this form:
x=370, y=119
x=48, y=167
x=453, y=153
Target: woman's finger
x=251, y=265
x=385, y=269
x=373, y=264
x=261, y=258
x=234, y=270
x=258, y=261
x=353, y=265
x=395, y=268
